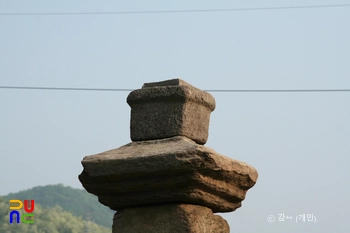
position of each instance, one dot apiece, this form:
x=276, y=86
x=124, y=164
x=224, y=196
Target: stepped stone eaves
x=172, y=170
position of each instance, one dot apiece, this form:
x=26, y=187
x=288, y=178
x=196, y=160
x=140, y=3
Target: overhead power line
x=175, y=11
x=121, y=89
x=66, y=88
x=287, y=90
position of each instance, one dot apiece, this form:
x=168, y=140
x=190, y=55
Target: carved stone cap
x=170, y=108
x=173, y=89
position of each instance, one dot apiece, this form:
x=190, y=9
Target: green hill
x=47, y=220
x=77, y=201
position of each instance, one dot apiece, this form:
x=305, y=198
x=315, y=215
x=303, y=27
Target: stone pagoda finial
x=166, y=180
x=168, y=109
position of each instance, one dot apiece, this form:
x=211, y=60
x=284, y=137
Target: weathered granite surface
x=169, y=218
x=171, y=170
x=166, y=180
x=170, y=108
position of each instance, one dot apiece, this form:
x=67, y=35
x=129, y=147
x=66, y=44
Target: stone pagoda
x=166, y=180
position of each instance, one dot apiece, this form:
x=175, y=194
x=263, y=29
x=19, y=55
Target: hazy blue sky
x=298, y=142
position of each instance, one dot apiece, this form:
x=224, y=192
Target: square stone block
x=170, y=108
x=170, y=218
